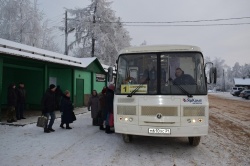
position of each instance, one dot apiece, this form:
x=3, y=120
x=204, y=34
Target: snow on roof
x=21, y=50
x=87, y=61
x=241, y=81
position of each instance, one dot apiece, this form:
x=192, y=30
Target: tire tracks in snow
x=230, y=128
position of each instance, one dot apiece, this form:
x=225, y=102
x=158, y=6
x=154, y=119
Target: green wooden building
x=38, y=68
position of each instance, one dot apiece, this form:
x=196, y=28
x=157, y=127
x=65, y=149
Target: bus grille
x=126, y=110
x=165, y=111
x=125, y=100
x=193, y=111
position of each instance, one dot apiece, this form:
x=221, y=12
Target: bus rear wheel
x=127, y=138
x=194, y=141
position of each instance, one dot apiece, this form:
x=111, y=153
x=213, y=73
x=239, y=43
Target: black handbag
x=73, y=116
x=42, y=121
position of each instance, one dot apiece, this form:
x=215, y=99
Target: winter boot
x=46, y=130
x=95, y=122
x=50, y=129
x=61, y=125
x=101, y=127
x=67, y=126
x=107, y=130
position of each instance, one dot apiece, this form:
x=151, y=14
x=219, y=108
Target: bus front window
x=176, y=74
x=181, y=73
x=135, y=70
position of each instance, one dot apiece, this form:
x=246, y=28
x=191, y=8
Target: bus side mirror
x=212, y=75
x=110, y=74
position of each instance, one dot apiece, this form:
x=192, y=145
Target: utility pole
x=224, y=88
x=93, y=37
x=66, y=34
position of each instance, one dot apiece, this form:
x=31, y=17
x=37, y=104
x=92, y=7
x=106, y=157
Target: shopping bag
x=73, y=116
x=111, y=120
x=42, y=121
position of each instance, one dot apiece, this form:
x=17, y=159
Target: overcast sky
x=231, y=43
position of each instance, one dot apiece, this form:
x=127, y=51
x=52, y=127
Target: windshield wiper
x=135, y=90
x=183, y=90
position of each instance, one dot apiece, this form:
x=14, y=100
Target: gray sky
x=231, y=43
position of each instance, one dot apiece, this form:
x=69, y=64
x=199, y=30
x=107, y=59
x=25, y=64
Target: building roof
x=21, y=50
x=242, y=81
x=87, y=61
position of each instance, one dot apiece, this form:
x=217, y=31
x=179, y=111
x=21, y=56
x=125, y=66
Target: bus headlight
x=193, y=120
x=126, y=119
x=130, y=119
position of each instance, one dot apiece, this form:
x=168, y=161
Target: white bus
x=161, y=91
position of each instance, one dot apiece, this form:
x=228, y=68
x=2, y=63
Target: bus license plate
x=159, y=131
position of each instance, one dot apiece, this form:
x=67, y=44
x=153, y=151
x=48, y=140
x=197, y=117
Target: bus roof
x=160, y=48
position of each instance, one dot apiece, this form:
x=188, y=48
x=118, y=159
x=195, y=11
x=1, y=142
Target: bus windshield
x=177, y=73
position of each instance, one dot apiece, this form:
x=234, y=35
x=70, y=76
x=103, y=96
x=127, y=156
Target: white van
x=234, y=89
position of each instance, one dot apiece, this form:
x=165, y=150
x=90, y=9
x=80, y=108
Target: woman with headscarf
x=94, y=107
x=66, y=109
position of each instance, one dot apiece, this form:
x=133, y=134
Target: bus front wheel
x=194, y=141
x=127, y=138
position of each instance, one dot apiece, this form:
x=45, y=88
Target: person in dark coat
x=109, y=106
x=66, y=109
x=48, y=107
x=12, y=102
x=21, y=100
x=94, y=107
x=103, y=113
x=183, y=79
x=59, y=95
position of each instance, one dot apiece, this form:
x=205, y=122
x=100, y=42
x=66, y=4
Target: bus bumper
x=176, y=131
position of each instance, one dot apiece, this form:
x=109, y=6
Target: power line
x=169, y=22
x=184, y=25
x=166, y=22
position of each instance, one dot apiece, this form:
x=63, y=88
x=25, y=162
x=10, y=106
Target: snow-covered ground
x=227, y=95
x=87, y=145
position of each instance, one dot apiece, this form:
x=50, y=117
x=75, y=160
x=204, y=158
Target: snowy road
x=87, y=145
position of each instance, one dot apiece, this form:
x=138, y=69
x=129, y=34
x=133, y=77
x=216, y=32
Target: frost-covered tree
x=21, y=21
x=15, y=19
x=237, y=70
x=246, y=70
x=47, y=39
x=98, y=32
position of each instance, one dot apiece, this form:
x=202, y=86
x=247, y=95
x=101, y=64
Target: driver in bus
x=183, y=79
